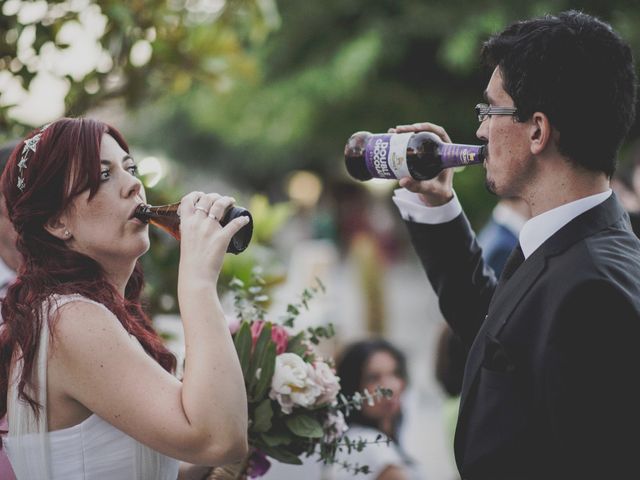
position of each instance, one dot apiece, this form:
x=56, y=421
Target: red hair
x=65, y=164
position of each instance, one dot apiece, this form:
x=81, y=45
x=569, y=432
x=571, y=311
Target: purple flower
x=258, y=464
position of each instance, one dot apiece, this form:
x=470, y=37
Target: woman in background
x=370, y=364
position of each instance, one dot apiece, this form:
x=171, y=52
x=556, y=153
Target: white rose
x=327, y=381
x=293, y=383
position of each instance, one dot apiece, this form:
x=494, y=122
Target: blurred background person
x=370, y=364
x=626, y=184
x=499, y=235
x=9, y=257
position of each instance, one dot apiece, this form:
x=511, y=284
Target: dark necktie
x=513, y=262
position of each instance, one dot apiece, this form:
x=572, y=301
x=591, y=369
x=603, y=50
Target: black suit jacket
x=551, y=381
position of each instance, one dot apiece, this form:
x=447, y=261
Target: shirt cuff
x=413, y=210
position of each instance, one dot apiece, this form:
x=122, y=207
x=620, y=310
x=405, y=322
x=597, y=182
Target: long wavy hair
x=65, y=164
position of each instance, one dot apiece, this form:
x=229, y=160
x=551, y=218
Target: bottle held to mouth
x=166, y=217
x=421, y=155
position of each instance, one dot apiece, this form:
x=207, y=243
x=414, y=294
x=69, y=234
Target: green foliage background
x=255, y=89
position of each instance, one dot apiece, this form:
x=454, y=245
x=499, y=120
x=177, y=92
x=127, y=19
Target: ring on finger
x=206, y=212
x=213, y=217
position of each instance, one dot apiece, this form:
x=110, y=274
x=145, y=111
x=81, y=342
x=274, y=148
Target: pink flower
x=278, y=334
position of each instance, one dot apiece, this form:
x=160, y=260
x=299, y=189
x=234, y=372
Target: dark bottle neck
x=145, y=212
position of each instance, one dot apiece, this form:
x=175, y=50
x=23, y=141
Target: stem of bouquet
x=233, y=471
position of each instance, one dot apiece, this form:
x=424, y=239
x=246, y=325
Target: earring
x=67, y=233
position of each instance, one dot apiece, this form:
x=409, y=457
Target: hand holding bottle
x=203, y=240
x=438, y=190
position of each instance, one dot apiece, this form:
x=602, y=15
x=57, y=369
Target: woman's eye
x=104, y=175
x=133, y=170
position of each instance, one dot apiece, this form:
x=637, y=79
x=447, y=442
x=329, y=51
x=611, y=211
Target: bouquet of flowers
x=294, y=400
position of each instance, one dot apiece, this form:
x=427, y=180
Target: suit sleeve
x=592, y=370
x=453, y=262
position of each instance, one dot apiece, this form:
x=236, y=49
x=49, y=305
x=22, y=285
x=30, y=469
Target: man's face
x=509, y=163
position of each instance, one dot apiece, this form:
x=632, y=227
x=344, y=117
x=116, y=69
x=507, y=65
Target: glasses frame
x=483, y=111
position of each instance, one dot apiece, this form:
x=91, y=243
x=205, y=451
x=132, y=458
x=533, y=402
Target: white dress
x=91, y=450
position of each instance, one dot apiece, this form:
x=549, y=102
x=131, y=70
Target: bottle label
x=386, y=155
x=456, y=155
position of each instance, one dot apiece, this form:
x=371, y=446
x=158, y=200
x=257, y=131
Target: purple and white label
x=456, y=155
x=386, y=155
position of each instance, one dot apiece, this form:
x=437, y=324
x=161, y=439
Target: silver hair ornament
x=29, y=146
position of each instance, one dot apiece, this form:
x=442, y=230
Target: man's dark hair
x=576, y=70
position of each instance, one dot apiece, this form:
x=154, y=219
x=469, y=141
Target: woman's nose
x=133, y=188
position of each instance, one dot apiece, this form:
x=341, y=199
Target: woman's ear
x=541, y=132
x=58, y=229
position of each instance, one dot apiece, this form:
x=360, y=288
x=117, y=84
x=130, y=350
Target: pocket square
x=496, y=357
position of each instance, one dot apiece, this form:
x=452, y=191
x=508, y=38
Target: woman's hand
x=203, y=240
x=438, y=190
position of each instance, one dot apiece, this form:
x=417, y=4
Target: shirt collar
x=540, y=228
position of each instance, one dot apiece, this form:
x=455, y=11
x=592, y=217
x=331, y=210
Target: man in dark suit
x=550, y=386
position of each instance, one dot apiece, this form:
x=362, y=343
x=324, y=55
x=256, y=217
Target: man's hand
x=438, y=190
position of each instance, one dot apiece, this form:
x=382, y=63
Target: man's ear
x=541, y=133
x=57, y=228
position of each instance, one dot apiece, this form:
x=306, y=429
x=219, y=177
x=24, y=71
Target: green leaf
x=273, y=439
x=258, y=360
x=281, y=455
x=304, y=426
x=268, y=365
x=242, y=343
x=263, y=415
x=296, y=345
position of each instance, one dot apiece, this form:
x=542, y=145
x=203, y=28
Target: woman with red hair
x=85, y=381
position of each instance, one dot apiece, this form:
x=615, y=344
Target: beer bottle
x=421, y=155
x=166, y=217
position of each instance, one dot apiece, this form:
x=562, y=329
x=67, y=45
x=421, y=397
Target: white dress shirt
x=534, y=232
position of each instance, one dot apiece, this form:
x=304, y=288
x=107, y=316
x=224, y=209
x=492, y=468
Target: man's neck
x=564, y=186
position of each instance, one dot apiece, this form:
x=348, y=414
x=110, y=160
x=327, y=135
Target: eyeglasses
x=483, y=111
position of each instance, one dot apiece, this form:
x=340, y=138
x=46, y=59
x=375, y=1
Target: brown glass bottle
x=166, y=217
x=421, y=155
